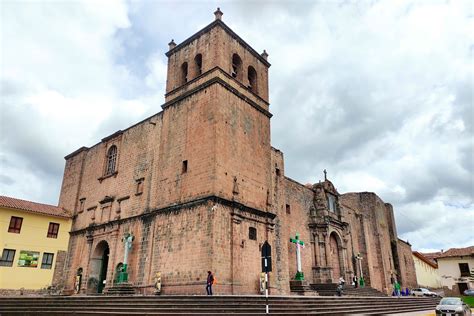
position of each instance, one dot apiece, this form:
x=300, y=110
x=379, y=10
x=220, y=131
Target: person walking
x=342, y=282
x=210, y=281
x=340, y=287
x=396, y=287
x=355, y=281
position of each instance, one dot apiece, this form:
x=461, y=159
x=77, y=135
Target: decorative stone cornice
x=174, y=208
x=223, y=83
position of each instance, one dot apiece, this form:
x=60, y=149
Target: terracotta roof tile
x=429, y=261
x=453, y=252
x=457, y=252
x=33, y=207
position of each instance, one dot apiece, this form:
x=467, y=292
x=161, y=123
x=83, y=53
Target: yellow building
x=426, y=271
x=33, y=239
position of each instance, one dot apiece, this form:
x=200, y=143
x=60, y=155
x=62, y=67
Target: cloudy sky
x=379, y=93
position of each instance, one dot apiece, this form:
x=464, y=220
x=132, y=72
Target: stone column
x=86, y=271
x=342, y=262
x=327, y=251
x=317, y=259
x=235, y=254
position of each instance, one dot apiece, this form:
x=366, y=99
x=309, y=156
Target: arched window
x=184, y=73
x=236, y=67
x=252, y=76
x=111, y=160
x=198, y=63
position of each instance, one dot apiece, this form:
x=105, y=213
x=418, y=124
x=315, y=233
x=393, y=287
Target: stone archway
x=98, y=268
x=335, y=256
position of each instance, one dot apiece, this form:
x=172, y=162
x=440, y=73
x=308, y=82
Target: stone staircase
x=329, y=289
x=210, y=305
x=325, y=289
x=121, y=289
x=362, y=291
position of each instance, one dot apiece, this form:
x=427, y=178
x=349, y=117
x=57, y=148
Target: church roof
x=33, y=207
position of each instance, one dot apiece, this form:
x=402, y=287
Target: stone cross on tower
x=299, y=244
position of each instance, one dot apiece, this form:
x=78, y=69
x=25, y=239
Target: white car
x=453, y=306
x=423, y=292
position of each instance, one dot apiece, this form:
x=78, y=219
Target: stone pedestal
x=121, y=289
x=301, y=287
x=322, y=274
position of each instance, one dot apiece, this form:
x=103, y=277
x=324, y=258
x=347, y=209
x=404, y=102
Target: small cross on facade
x=325, y=175
x=299, y=244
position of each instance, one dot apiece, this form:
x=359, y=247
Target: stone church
x=200, y=188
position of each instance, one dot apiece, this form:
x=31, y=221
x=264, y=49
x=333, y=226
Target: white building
x=454, y=267
x=426, y=271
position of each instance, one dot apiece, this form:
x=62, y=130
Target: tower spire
x=218, y=14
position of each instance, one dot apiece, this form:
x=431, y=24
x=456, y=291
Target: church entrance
x=334, y=257
x=99, y=264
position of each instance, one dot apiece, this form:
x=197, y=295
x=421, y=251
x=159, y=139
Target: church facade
x=200, y=188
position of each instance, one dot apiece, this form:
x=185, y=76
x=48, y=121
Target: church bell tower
x=216, y=116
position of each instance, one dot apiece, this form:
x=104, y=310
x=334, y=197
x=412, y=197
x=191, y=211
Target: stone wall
x=298, y=201
x=370, y=221
x=58, y=275
x=407, y=265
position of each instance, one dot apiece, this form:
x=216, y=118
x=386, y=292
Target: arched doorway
x=335, y=255
x=98, y=271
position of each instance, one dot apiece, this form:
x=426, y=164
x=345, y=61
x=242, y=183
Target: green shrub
x=469, y=300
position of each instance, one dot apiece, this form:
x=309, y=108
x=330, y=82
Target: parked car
x=452, y=306
x=423, y=292
x=469, y=292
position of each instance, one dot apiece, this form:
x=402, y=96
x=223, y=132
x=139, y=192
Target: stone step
x=206, y=305
x=334, y=310
x=319, y=303
x=339, y=300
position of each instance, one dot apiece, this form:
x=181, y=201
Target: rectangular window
x=288, y=209
x=53, y=230
x=47, y=262
x=7, y=257
x=15, y=225
x=185, y=166
x=331, y=203
x=139, y=186
x=464, y=269
x=252, y=233
x=82, y=202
